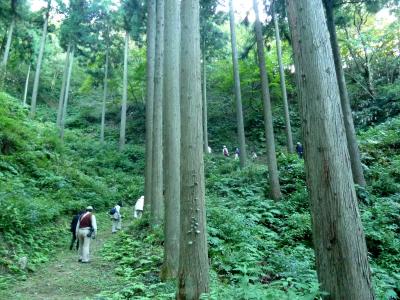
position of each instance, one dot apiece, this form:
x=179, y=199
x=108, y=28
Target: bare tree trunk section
x=339, y=242
x=151, y=39
x=8, y=44
x=122, y=132
x=352, y=145
x=193, y=259
x=204, y=94
x=157, y=202
x=172, y=137
x=103, y=109
x=289, y=138
x=39, y=65
x=238, y=95
x=65, y=102
x=27, y=84
x=269, y=129
x=62, y=92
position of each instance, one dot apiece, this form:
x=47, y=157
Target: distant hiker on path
x=138, y=210
x=254, y=156
x=86, y=229
x=74, y=222
x=299, y=149
x=237, y=152
x=116, y=218
x=225, y=151
x=209, y=150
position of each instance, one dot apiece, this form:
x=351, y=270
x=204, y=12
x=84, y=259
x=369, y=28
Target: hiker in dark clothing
x=74, y=222
x=299, y=149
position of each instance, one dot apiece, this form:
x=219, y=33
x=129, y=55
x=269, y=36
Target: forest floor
x=64, y=278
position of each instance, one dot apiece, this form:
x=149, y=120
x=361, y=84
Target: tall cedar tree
x=171, y=141
x=269, y=129
x=150, y=63
x=339, y=242
x=352, y=145
x=238, y=95
x=157, y=203
x=288, y=129
x=193, y=260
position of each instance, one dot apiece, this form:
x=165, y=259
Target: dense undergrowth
x=43, y=182
x=262, y=249
x=258, y=248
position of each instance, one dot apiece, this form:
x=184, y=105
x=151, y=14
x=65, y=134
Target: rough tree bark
x=103, y=109
x=27, y=84
x=269, y=129
x=157, y=203
x=124, y=95
x=172, y=137
x=339, y=242
x=193, y=260
x=352, y=145
x=39, y=63
x=238, y=95
x=151, y=39
x=289, y=138
x=65, y=102
x=204, y=94
x=62, y=92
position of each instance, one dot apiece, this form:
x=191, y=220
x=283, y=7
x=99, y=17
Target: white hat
x=89, y=207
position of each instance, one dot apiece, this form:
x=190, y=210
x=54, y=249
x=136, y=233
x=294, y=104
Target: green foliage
x=42, y=180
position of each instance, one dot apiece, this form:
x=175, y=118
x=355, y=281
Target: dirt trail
x=64, y=278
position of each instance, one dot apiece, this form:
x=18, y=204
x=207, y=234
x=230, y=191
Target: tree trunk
x=289, y=139
x=65, y=102
x=124, y=95
x=193, y=259
x=8, y=44
x=204, y=111
x=157, y=166
x=151, y=39
x=39, y=65
x=172, y=137
x=62, y=92
x=103, y=110
x=238, y=95
x=269, y=129
x=339, y=242
x=352, y=145
x=27, y=84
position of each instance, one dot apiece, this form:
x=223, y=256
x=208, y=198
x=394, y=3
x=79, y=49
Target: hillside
x=258, y=248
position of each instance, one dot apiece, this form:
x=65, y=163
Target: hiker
x=209, y=150
x=138, y=211
x=225, y=151
x=86, y=229
x=237, y=152
x=254, y=156
x=116, y=218
x=299, y=149
x=74, y=222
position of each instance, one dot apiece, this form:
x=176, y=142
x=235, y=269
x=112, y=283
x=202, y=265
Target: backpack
x=112, y=211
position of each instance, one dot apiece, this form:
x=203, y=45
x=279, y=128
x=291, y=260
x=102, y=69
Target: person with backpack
x=115, y=213
x=138, y=210
x=73, y=224
x=299, y=150
x=86, y=229
x=225, y=151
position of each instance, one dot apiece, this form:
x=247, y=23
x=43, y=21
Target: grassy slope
x=42, y=182
x=259, y=249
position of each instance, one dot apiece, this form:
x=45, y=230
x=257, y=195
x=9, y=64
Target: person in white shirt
x=116, y=218
x=86, y=229
x=138, y=211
